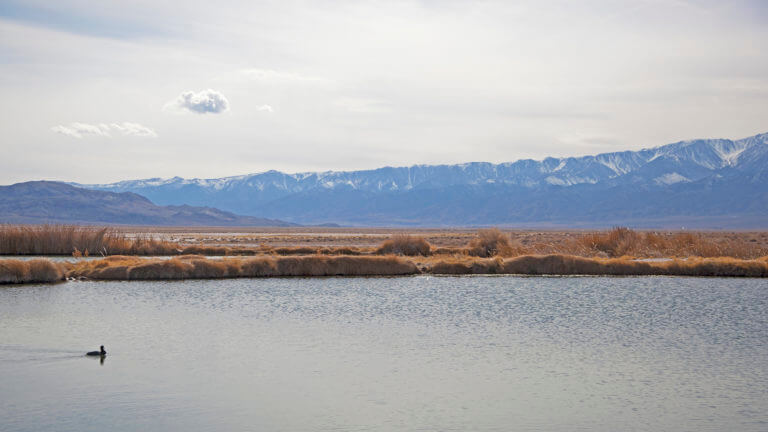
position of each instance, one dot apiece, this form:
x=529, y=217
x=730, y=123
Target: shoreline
x=199, y=267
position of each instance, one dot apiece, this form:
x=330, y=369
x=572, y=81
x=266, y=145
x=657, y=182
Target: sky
x=96, y=92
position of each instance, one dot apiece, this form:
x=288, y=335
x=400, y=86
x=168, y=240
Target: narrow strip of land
x=199, y=267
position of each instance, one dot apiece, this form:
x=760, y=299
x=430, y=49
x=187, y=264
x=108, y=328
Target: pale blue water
x=409, y=353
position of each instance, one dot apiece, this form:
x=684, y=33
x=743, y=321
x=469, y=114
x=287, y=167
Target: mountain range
x=54, y=202
x=712, y=183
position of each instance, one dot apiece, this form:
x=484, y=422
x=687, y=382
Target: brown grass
x=404, y=244
x=76, y=240
x=622, y=241
x=32, y=271
x=555, y=264
x=196, y=267
x=467, y=266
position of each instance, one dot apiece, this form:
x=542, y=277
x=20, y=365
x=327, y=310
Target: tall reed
x=77, y=240
x=32, y=271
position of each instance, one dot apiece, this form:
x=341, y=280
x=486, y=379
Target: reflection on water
x=415, y=353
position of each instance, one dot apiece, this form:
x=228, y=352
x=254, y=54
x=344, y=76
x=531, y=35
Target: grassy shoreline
x=199, y=267
x=490, y=251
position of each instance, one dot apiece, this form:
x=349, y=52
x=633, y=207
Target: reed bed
x=624, y=241
x=615, y=243
x=198, y=267
x=555, y=264
x=32, y=271
x=77, y=240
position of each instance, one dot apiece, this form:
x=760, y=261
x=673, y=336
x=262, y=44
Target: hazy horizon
x=118, y=91
x=324, y=171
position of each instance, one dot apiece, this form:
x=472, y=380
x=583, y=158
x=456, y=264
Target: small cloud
x=206, y=101
x=81, y=130
x=133, y=129
x=265, y=108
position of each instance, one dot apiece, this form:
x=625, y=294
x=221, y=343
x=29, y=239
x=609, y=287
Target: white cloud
x=133, y=129
x=265, y=108
x=82, y=130
x=203, y=102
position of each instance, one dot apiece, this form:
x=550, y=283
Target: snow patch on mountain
x=670, y=178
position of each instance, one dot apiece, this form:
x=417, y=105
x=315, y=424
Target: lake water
x=408, y=353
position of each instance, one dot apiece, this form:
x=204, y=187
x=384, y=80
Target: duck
x=101, y=352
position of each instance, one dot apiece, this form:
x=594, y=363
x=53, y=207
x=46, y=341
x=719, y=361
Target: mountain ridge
x=551, y=190
x=56, y=202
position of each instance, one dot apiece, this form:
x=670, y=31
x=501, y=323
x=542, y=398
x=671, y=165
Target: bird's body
x=101, y=352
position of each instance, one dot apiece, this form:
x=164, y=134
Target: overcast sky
x=111, y=90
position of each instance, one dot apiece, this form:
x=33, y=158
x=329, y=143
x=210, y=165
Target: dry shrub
x=490, y=242
x=32, y=271
x=404, y=244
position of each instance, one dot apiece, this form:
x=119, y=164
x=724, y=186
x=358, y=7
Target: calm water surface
x=409, y=353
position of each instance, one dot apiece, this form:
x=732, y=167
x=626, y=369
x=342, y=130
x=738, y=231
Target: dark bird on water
x=97, y=353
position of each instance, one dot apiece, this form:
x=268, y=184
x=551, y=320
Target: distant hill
x=53, y=202
x=705, y=183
